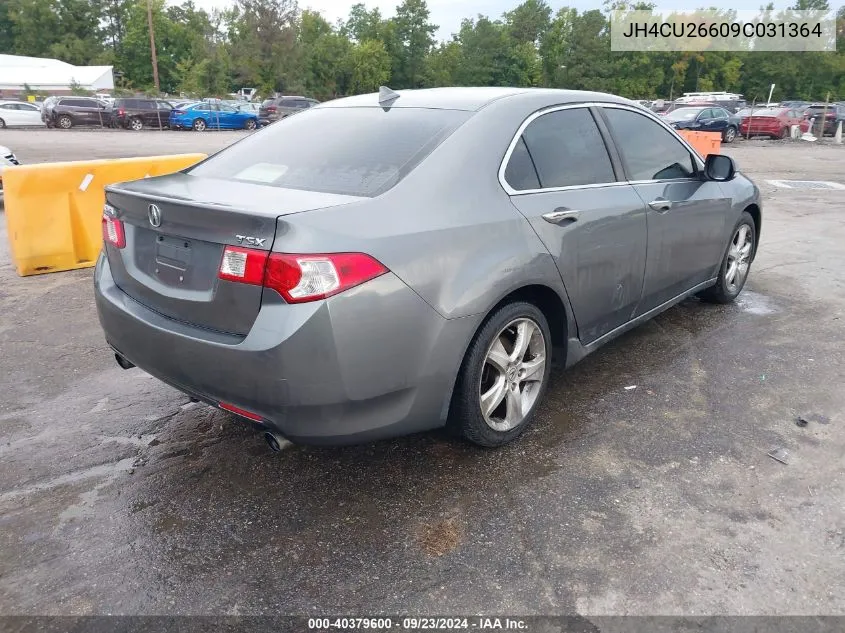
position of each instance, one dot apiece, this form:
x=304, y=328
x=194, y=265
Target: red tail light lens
x=299, y=278
x=113, y=232
x=177, y=112
x=271, y=108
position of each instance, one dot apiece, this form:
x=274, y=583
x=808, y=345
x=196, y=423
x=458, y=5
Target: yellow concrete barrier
x=54, y=210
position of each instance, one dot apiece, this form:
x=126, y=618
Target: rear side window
x=352, y=151
x=649, y=150
x=568, y=150
x=520, y=173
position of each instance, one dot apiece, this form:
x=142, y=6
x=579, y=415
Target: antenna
x=386, y=96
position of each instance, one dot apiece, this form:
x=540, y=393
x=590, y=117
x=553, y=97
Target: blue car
x=202, y=116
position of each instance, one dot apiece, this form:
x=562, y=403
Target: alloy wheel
x=739, y=258
x=65, y=123
x=730, y=134
x=136, y=124
x=513, y=373
x=199, y=125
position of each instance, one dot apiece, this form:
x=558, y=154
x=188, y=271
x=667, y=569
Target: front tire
x=200, y=125
x=2, y=124
x=736, y=263
x=729, y=135
x=503, y=377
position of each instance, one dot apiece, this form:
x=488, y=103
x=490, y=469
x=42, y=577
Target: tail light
x=113, y=232
x=271, y=108
x=177, y=112
x=299, y=278
x=121, y=112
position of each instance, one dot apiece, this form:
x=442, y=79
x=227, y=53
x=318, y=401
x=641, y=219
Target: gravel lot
x=117, y=495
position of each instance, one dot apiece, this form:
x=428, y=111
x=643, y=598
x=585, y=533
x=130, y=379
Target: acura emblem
x=154, y=214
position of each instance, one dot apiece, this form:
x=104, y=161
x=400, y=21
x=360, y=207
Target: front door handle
x=561, y=216
x=661, y=205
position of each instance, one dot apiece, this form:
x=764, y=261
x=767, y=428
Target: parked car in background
x=137, y=113
x=67, y=112
x=280, y=107
x=19, y=114
x=202, y=116
x=703, y=119
x=7, y=158
x=253, y=108
x=531, y=224
x=795, y=104
x=773, y=122
x=830, y=112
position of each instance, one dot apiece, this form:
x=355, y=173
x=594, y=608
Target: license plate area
x=172, y=259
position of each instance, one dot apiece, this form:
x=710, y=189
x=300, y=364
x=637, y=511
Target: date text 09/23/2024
x=418, y=624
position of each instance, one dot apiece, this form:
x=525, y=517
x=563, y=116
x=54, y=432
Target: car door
x=561, y=177
x=228, y=117
x=9, y=113
x=29, y=114
x=687, y=215
x=163, y=110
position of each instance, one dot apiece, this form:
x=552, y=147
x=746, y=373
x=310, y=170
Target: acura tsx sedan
x=395, y=262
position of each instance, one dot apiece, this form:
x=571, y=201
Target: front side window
x=567, y=149
x=649, y=151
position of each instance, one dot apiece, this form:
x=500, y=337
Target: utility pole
x=153, y=45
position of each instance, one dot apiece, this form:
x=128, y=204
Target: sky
x=447, y=14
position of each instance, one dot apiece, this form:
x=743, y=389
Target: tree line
x=274, y=46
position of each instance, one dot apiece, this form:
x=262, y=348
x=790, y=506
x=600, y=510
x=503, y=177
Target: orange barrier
x=54, y=211
x=703, y=142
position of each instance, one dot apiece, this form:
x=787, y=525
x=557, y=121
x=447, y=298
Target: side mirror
x=719, y=167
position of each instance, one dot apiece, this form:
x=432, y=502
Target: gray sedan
x=396, y=262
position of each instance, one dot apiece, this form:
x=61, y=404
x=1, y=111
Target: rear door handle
x=661, y=205
x=561, y=216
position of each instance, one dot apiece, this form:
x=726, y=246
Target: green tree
x=369, y=66
x=415, y=37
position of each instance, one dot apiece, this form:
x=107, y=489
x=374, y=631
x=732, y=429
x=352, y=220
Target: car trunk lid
x=176, y=229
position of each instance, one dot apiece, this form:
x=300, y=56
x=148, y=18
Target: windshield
x=350, y=151
x=683, y=114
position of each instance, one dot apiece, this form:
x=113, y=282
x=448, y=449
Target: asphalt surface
x=643, y=488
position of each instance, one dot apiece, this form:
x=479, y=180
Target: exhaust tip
x=125, y=364
x=273, y=442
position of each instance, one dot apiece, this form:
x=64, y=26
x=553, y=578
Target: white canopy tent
x=51, y=75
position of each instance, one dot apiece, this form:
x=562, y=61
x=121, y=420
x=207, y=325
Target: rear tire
x=2, y=124
x=136, y=124
x=784, y=133
x=250, y=124
x=65, y=122
x=736, y=263
x=200, y=125
x=504, y=373
x=729, y=135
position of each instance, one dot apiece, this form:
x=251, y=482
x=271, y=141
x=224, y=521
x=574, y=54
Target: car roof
x=473, y=99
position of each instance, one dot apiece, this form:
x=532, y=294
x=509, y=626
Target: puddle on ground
x=755, y=303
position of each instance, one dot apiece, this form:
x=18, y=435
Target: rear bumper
x=373, y=362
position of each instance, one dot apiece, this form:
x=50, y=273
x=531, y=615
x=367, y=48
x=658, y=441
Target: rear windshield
x=351, y=151
x=768, y=112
